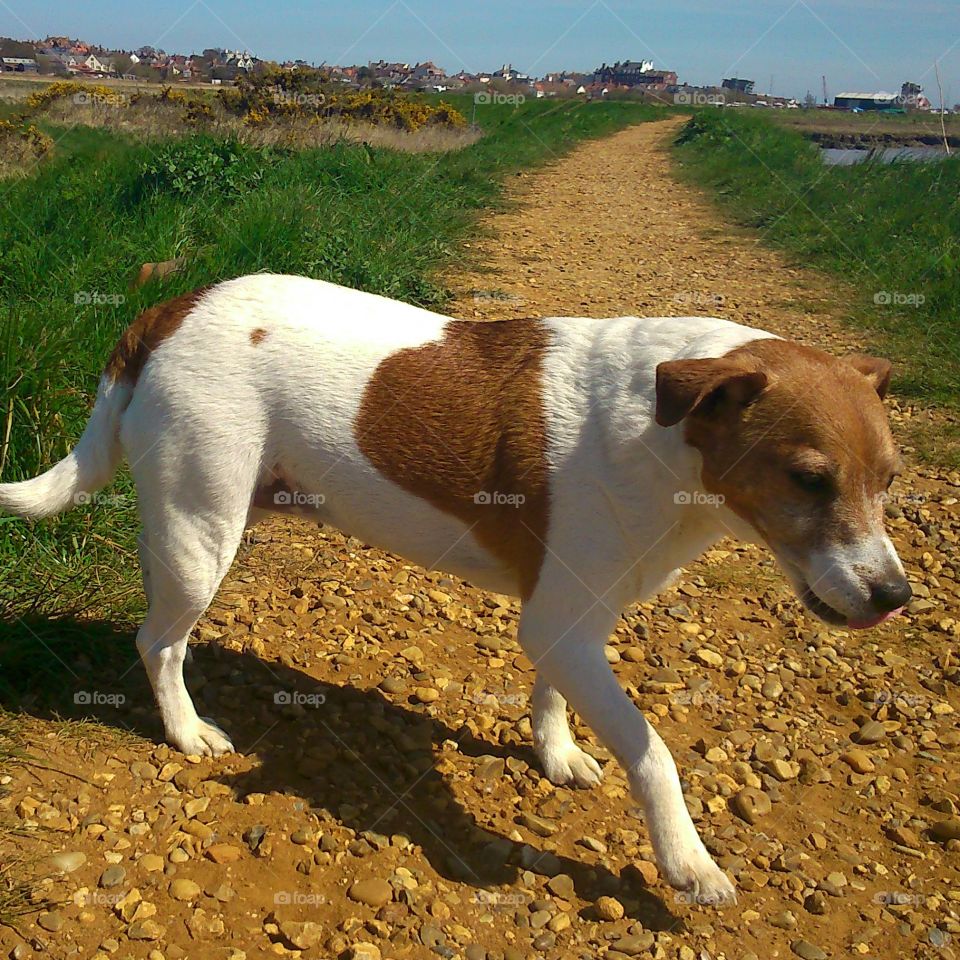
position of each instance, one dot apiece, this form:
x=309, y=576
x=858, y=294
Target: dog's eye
x=812, y=482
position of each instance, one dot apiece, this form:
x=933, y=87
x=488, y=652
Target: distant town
x=65, y=57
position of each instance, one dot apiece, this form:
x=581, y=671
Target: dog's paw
x=699, y=880
x=570, y=767
x=203, y=739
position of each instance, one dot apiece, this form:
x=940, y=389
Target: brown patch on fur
x=805, y=452
x=258, y=335
x=145, y=334
x=464, y=417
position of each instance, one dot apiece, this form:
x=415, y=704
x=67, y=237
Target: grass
x=892, y=231
x=77, y=229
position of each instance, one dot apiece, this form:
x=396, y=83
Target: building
x=868, y=101
x=18, y=65
x=628, y=73
x=634, y=73
x=738, y=85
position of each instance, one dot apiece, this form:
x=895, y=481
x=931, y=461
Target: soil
x=386, y=802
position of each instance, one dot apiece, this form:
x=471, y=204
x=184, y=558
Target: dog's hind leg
x=191, y=534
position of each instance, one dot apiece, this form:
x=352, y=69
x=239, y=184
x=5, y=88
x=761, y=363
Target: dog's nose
x=890, y=595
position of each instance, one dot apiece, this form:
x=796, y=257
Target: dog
x=575, y=463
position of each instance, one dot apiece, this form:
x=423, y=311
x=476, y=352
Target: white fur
x=211, y=417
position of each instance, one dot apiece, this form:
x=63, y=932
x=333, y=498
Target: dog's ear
x=875, y=369
x=684, y=386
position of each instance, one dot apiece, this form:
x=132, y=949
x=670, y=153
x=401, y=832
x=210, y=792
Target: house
x=427, y=71
x=738, y=85
x=867, y=101
x=95, y=64
x=634, y=73
x=510, y=75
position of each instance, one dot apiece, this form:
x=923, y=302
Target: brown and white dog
x=574, y=463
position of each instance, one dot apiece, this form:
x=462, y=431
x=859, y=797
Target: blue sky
x=858, y=44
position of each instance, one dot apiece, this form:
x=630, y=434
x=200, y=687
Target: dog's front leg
x=564, y=636
x=564, y=763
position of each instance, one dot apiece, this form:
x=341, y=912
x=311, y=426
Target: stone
x=944, y=830
x=751, y=804
x=113, y=876
x=364, y=951
x=301, y=936
x=51, y=921
x=871, y=732
x=68, y=861
x=561, y=886
x=858, y=760
x=609, y=908
x=807, y=951
x=184, y=889
x=145, y=930
x=223, y=853
x=373, y=892
x=709, y=658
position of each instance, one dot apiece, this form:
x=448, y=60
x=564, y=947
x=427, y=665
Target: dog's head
x=797, y=444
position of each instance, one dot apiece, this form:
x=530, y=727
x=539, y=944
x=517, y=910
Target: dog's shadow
x=350, y=754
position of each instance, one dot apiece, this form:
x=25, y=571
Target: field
x=867, y=126
x=889, y=231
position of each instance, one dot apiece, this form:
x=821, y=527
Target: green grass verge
x=76, y=231
x=892, y=230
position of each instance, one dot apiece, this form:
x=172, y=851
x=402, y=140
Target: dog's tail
x=89, y=466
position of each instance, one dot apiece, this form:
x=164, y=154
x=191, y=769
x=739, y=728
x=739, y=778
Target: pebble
x=223, y=853
x=807, y=951
x=751, y=804
x=871, y=732
x=301, y=935
x=609, y=908
x=364, y=951
x=858, y=760
x=51, y=922
x=709, y=658
x=373, y=892
x=944, y=830
x=145, y=930
x=113, y=876
x=67, y=862
x=184, y=889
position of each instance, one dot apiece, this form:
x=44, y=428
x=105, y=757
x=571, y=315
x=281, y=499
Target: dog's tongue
x=873, y=621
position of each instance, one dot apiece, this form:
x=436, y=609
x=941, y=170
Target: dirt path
x=391, y=745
